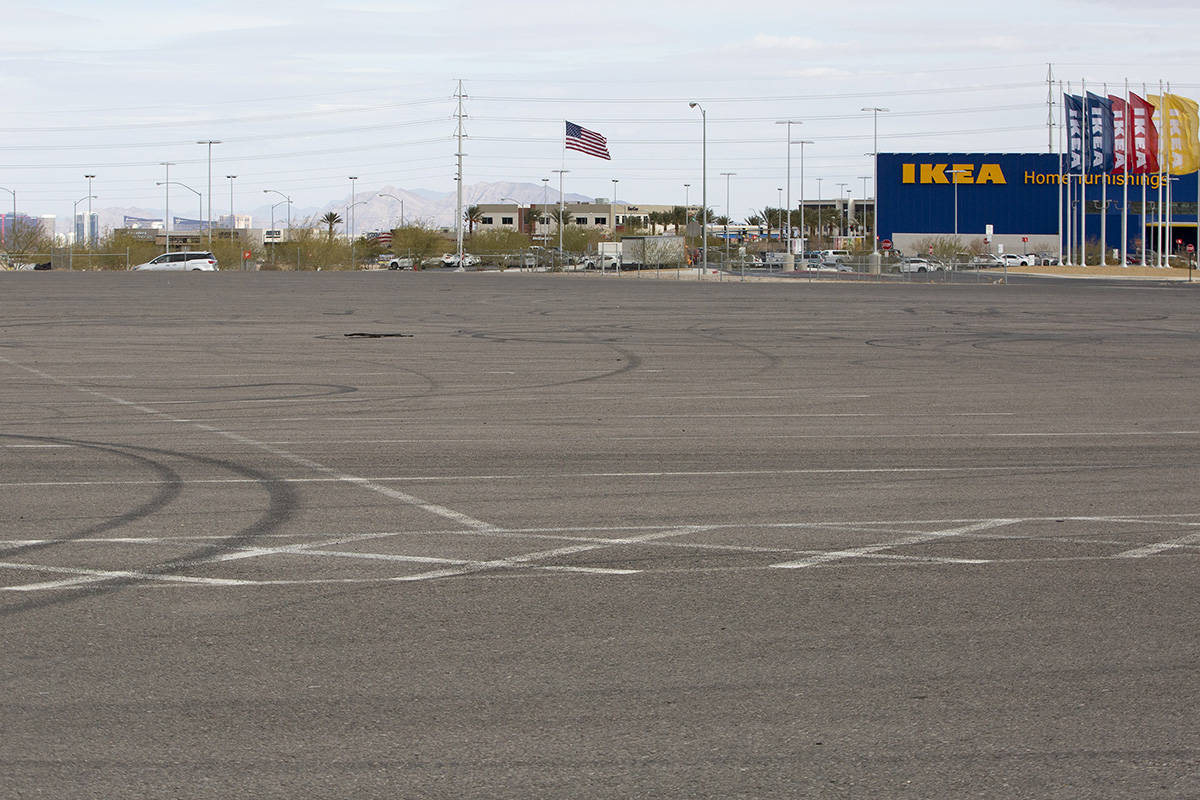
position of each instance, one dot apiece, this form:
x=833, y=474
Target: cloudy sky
x=304, y=94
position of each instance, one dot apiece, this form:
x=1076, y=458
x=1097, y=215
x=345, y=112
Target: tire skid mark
x=281, y=506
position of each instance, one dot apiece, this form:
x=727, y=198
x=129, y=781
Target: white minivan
x=201, y=261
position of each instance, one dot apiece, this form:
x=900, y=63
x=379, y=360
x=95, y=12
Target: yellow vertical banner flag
x=1178, y=121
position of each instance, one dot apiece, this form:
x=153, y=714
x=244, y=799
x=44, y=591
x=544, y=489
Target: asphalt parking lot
x=524, y=535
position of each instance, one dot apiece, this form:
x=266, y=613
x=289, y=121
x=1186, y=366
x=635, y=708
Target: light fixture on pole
x=612, y=210
x=561, y=208
x=875, y=111
x=166, y=203
x=843, y=211
x=210, y=143
x=350, y=209
x=89, y=234
x=545, y=205
x=864, y=179
x=954, y=173
x=401, y=199
x=782, y=208
x=353, y=227
x=74, y=213
x=820, y=214
x=232, y=219
x=286, y=199
x=803, y=240
x=199, y=197
x=727, y=175
x=789, y=123
x=703, y=179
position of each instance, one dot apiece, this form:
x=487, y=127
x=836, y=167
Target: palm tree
x=332, y=218
x=471, y=215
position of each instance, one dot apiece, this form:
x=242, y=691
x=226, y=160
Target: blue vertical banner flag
x=1073, y=104
x=1099, y=112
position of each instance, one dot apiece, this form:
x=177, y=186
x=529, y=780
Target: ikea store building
x=923, y=195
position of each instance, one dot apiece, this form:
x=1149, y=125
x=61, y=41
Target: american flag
x=586, y=141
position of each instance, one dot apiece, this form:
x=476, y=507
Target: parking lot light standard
x=704, y=180
x=875, y=110
x=210, y=143
x=789, y=123
x=74, y=212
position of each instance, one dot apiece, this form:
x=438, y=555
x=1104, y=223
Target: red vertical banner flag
x=1120, y=134
x=1143, y=136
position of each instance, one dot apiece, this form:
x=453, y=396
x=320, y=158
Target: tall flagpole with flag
x=1125, y=183
x=584, y=141
x=1103, y=203
x=1159, y=216
x=1086, y=124
x=1062, y=113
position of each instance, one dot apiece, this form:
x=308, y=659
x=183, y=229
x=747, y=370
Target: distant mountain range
x=376, y=213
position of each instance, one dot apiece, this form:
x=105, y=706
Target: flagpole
x=1086, y=154
x=1062, y=126
x=1145, y=176
x=1125, y=183
x=1104, y=206
x=1071, y=196
x=1162, y=117
x=1170, y=165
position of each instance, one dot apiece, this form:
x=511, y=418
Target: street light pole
x=353, y=227
x=782, y=208
x=875, y=149
x=953, y=173
x=561, y=207
x=864, y=179
x=803, y=240
x=353, y=263
x=90, y=235
x=727, y=175
x=385, y=194
x=166, y=183
x=74, y=213
x=843, y=212
x=232, y=220
x=210, y=143
x=612, y=212
x=199, y=197
x=789, y=123
x=704, y=178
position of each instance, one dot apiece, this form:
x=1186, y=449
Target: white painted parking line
x=545, y=476
x=92, y=576
x=918, y=538
x=541, y=555
x=1191, y=540
x=432, y=508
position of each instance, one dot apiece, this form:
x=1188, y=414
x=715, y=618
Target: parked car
x=1015, y=260
x=920, y=265
x=396, y=262
x=451, y=260
x=986, y=260
x=191, y=261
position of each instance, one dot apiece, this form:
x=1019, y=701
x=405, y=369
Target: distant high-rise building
x=87, y=228
x=23, y=223
x=240, y=221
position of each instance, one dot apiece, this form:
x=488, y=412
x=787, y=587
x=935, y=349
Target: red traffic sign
x=246, y=255
x=1191, y=248
x=886, y=244
x=1024, y=238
